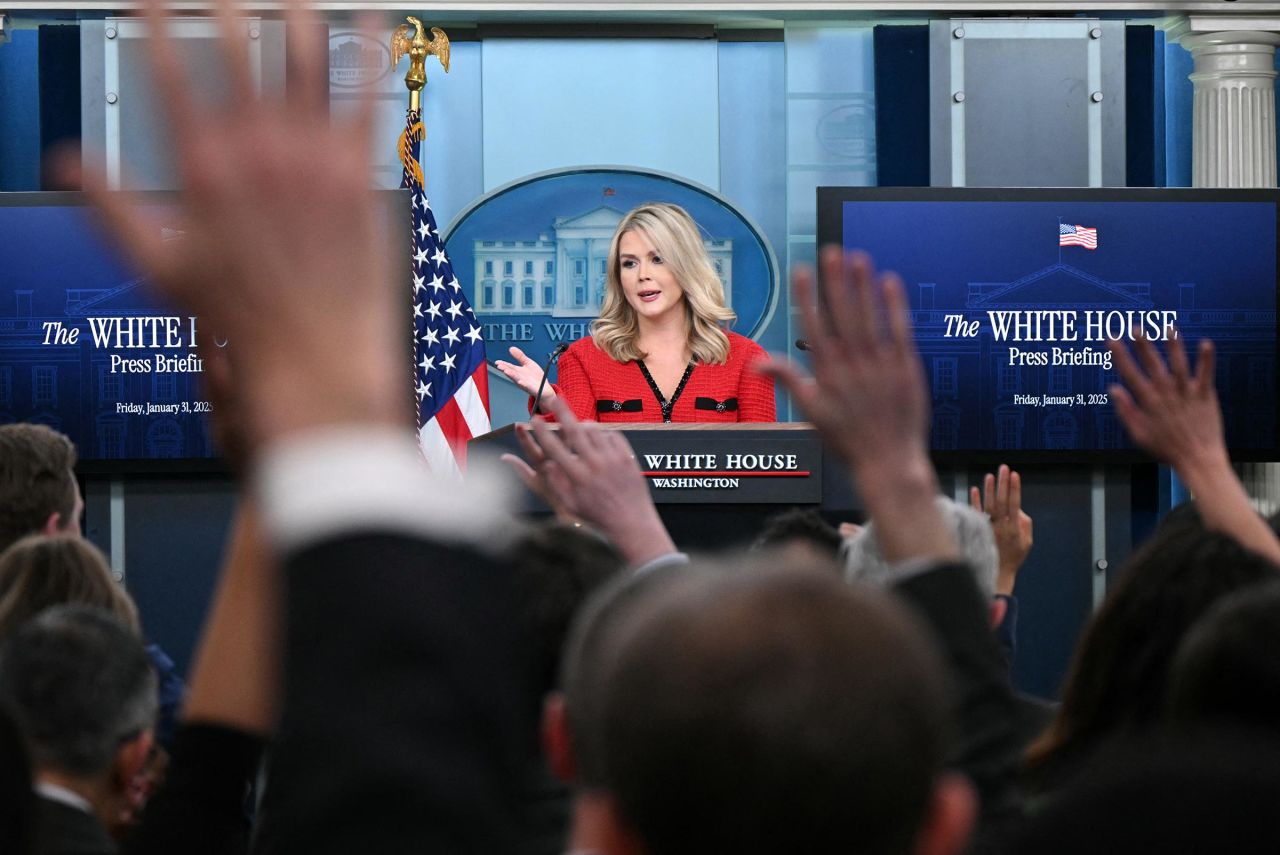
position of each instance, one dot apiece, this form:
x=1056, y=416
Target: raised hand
x=526, y=374
x=1168, y=410
x=282, y=250
x=1173, y=413
x=589, y=473
x=1001, y=500
x=867, y=395
x=532, y=470
x=867, y=398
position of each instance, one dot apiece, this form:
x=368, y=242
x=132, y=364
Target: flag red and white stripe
x=451, y=378
x=1084, y=236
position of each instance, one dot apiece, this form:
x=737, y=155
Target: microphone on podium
x=555, y=354
x=802, y=344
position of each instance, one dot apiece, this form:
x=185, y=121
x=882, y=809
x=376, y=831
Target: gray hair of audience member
x=80, y=684
x=754, y=710
x=1226, y=668
x=864, y=561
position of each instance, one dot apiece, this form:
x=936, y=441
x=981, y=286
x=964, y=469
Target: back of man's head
x=802, y=527
x=1226, y=671
x=757, y=711
x=865, y=562
x=80, y=685
x=558, y=567
x=36, y=481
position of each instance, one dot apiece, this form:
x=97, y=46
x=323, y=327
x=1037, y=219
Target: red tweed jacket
x=598, y=388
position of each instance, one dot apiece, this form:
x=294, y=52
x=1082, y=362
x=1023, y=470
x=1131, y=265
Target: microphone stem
x=537, y=399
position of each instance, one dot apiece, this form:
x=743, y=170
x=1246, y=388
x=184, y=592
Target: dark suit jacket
x=200, y=808
x=987, y=748
x=65, y=830
x=402, y=729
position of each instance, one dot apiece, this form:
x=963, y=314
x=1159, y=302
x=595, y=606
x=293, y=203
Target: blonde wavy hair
x=675, y=236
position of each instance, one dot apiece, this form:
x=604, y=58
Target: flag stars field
x=451, y=375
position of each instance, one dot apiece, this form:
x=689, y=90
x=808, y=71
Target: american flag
x=1077, y=236
x=451, y=378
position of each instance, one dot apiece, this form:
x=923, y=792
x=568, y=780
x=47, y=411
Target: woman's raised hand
x=525, y=373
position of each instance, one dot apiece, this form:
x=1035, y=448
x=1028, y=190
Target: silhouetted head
x=756, y=711
x=1119, y=676
x=38, y=491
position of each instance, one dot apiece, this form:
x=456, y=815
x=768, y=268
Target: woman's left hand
x=525, y=373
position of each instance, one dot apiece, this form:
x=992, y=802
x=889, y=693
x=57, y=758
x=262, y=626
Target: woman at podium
x=659, y=352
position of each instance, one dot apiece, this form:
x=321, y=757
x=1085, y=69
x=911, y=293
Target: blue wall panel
x=1178, y=99
x=902, y=86
x=451, y=113
x=19, y=113
x=174, y=534
x=59, y=73
x=752, y=139
x=1142, y=142
x=564, y=103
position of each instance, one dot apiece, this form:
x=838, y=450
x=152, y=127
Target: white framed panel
x=134, y=126
x=1027, y=102
x=551, y=104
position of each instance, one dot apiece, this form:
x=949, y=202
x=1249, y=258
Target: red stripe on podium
x=803, y=474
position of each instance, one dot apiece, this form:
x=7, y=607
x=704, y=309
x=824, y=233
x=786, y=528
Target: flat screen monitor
x=1014, y=293
x=87, y=346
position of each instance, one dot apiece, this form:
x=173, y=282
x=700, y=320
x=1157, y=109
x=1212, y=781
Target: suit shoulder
x=585, y=350
x=741, y=347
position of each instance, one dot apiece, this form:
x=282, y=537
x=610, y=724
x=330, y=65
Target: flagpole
x=450, y=371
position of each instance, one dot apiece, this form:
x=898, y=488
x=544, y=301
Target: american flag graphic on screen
x=450, y=373
x=1077, y=236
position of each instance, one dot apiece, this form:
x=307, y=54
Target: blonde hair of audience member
x=675, y=236
x=41, y=571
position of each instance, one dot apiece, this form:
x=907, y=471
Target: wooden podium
x=715, y=484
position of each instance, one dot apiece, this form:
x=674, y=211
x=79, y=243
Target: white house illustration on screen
x=959, y=367
x=562, y=275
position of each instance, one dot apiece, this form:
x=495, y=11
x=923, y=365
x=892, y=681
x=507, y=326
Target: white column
x=1234, y=145
x=1234, y=121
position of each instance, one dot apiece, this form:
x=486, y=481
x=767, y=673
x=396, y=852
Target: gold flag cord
x=409, y=138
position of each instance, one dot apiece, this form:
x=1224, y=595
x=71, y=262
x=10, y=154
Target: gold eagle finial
x=411, y=39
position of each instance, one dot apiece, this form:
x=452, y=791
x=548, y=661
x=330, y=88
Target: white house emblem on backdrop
x=533, y=254
x=357, y=60
x=562, y=272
